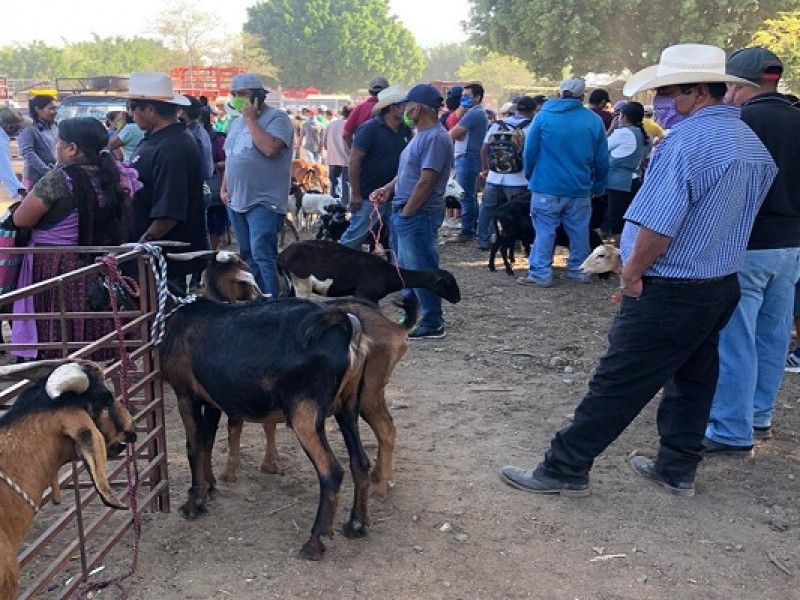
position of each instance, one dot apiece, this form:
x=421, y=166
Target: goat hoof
x=380, y=491
x=354, y=529
x=229, y=477
x=271, y=468
x=312, y=550
x=190, y=510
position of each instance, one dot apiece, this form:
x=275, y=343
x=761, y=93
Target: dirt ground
x=509, y=373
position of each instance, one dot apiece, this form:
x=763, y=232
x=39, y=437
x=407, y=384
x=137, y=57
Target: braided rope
x=376, y=236
x=159, y=266
x=13, y=485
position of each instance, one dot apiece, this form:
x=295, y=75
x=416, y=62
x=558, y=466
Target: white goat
x=603, y=259
x=312, y=207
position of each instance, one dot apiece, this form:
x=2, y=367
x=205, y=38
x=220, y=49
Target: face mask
x=467, y=101
x=665, y=112
x=407, y=121
x=238, y=102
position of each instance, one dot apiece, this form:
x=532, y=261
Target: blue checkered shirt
x=703, y=188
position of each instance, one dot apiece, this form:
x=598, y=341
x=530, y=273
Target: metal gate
x=67, y=543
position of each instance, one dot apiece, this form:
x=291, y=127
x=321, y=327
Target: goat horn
x=186, y=256
x=68, y=377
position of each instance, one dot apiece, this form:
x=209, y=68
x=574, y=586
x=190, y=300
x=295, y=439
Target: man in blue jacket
x=566, y=161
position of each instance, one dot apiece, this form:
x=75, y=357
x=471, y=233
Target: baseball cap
x=425, y=94
x=247, y=81
x=455, y=91
x=574, y=85
x=619, y=105
x=648, y=109
x=526, y=103
x=378, y=83
x=9, y=116
x=754, y=64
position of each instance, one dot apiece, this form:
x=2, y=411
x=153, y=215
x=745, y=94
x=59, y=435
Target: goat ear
x=91, y=448
x=69, y=377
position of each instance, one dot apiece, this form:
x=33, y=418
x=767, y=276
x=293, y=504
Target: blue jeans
x=340, y=184
x=362, y=222
x=752, y=347
x=312, y=156
x=667, y=338
x=417, y=249
x=494, y=196
x=257, y=235
x=547, y=213
x=467, y=169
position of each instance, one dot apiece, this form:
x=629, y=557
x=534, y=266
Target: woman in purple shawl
x=82, y=202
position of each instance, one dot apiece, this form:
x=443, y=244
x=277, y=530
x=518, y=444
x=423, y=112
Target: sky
x=431, y=22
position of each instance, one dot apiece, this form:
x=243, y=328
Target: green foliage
x=445, y=60
x=335, y=45
x=100, y=56
x=611, y=35
x=498, y=74
x=782, y=36
x=186, y=30
x=243, y=50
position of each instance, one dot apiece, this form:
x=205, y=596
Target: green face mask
x=407, y=120
x=238, y=102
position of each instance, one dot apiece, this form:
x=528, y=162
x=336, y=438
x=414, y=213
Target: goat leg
x=377, y=416
x=309, y=427
x=191, y=413
x=211, y=417
x=270, y=464
x=504, y=252
x=356, y=526
x=234, y=449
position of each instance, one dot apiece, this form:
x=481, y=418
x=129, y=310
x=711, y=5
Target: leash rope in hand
x=376, y=236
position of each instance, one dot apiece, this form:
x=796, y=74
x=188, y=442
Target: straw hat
x=682, y=64
x=391, y=95
x=154, y=86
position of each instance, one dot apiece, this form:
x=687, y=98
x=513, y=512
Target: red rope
x=131, y=470
x=376, y=237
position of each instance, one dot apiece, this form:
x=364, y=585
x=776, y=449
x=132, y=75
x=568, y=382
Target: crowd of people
x=696, y=190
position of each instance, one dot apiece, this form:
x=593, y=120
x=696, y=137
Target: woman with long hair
x=628, y=145
x=84, y=201
x=37, y=142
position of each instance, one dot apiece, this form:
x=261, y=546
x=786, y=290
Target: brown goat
x=68, y=414
x=389, y=345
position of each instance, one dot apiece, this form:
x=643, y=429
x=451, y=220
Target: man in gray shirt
x=255, y=187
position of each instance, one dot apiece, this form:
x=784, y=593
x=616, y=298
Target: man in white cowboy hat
x=255, y=186
x=170, y=204
x=374, y=160
x=752, y=347
x=11, y=123
x=683, y=242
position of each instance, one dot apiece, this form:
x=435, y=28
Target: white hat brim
x=648, y=79
x=393, y=99
x=174, y=99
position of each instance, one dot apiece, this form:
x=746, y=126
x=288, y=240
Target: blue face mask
x=467, y=101
x=665, y=112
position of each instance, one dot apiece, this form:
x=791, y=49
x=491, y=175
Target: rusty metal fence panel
x=67, y=543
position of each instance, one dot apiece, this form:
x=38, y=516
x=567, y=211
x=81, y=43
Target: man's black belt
x=678, y=281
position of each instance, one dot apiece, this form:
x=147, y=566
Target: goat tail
x=286, y=287
x=316, y=325
x=411, y=313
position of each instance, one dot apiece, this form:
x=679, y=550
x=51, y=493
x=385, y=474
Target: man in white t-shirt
x=502, y=187
x=338, y=157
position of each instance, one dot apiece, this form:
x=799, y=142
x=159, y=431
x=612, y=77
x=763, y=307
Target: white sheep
x=603, y=259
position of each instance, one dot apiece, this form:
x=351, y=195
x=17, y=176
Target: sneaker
x=646, y=467
x=712, y=448
x=762, y=433
x=532, y=480
x=524, y=280
x=427, y=333
x=452, y=223
x=461, y=239
x=793, y=361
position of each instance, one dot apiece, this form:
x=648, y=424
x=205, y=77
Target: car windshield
x=89, y=107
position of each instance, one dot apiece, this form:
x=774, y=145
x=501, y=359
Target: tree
x=117, y=56
x=498, y=74
x=186, y=30
x=445, y=60
x=611, y=35
x=36, y=60
x=782, y=36
x=243, y=50
x=335, y=45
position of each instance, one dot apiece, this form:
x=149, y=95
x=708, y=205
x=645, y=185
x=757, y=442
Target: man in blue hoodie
x=566, y=161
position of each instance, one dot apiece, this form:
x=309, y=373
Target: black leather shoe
x=712, y=448
x=762, y=433
x=646, y=467
x=531, y=480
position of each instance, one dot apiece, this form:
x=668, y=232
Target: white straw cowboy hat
x=683, y=64
x=154, y=86
x=391, y=95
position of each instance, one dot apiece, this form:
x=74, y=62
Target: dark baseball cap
x=526, y=103
x=455, y=91
x=754, y=64
x=425, y=94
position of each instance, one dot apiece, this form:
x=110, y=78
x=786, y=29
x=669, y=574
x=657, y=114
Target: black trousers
x=668, y=338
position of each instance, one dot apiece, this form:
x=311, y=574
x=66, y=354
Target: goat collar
x=13, y=485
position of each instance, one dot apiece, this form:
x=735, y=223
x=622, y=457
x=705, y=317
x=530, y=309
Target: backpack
x=505, y=147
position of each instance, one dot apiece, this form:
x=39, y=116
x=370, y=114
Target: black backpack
x=505, y=147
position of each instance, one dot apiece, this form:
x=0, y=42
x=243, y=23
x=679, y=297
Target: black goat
x=222, y=358
x=512, y=222
x=334, y=223
x=330, y=269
